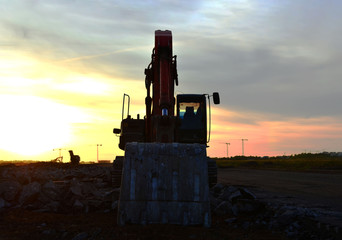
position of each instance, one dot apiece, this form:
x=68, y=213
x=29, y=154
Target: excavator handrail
x=208, y=140
x=216, y=99
x=123, y=105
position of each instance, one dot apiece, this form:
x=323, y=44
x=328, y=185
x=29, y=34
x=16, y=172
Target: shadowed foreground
x=60, y=201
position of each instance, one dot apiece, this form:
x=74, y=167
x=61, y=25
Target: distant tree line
x=309, y=156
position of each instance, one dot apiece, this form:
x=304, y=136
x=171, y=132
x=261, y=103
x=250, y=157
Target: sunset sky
x=64, y=66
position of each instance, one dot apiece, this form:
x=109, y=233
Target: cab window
x=191, y=115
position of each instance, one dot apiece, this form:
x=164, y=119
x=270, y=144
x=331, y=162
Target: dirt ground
x=23, y=224
x=317, y=189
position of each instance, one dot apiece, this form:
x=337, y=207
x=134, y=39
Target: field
x=300, y=162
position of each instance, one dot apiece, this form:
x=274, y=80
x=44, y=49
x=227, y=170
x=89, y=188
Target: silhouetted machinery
x=74, y=159
x=165, y=172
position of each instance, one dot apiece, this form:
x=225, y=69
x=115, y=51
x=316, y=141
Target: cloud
x=267, y=136
x=270, y=61
x=262, y=79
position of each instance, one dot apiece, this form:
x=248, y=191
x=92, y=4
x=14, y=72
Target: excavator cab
x=191, y=111
x=192, y=114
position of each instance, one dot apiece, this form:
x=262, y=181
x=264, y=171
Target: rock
x=234, y=196
x=95, y=205
x=217, y=189
x=226, y=193
x=29, y=193
x=247, y=206
x=296, y=225
x=287, y=217
x=43, y=198
x=115, y=205
x=49, y=232
x=230, y=220
x=10, y=189
x=223, y=208
x=89, y=189
x=81, y=236
x=46, y=232
x=233, y=193
x=95, y=233
x=76, y=187
x=7, y=171
x=98, y=181
x=2, y=203
x=50, y=190
x=235, y=210
x=245, y=225
x=39, y=176
x=246, y=194
x=214, y=202
x=78, y=205
x=64, y=234
x=52, y=206
x=23, y=176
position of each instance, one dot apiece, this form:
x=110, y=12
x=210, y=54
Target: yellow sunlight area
x=32, y=125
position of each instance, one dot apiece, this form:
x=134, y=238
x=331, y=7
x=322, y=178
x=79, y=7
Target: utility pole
x=60, y=158
x=60, y=151
x=227, y=148
x=97, y=145
x=243, y=147
x=243, y=150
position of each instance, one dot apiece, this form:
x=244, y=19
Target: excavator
x=165, y=174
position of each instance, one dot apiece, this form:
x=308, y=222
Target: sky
x=65, y=65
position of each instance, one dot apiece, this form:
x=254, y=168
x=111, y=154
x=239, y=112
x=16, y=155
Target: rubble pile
x=240, y=208
x=54, y=187
x=64, y=188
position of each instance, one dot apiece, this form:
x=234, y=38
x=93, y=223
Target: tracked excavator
x=165, y=174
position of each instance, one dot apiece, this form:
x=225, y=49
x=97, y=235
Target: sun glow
x=31, y=125
x=84, y=85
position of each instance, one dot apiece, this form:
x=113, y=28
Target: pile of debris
x=240, y=208
x=66, y=188
x=54, y=187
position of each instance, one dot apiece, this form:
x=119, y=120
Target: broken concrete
x=56, y=187
x=9, y=189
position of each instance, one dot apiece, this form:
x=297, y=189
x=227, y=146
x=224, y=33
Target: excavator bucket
x=165, y=183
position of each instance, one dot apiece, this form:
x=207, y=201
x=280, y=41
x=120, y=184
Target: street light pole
x=60, y=158
x=59, y=150
x=243, y=150
x=227, y=148
x=97, y=145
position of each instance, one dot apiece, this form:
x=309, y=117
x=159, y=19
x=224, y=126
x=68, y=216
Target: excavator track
x=212, y=172
x=117, y=171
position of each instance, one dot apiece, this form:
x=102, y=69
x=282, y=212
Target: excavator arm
x=161, y=73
